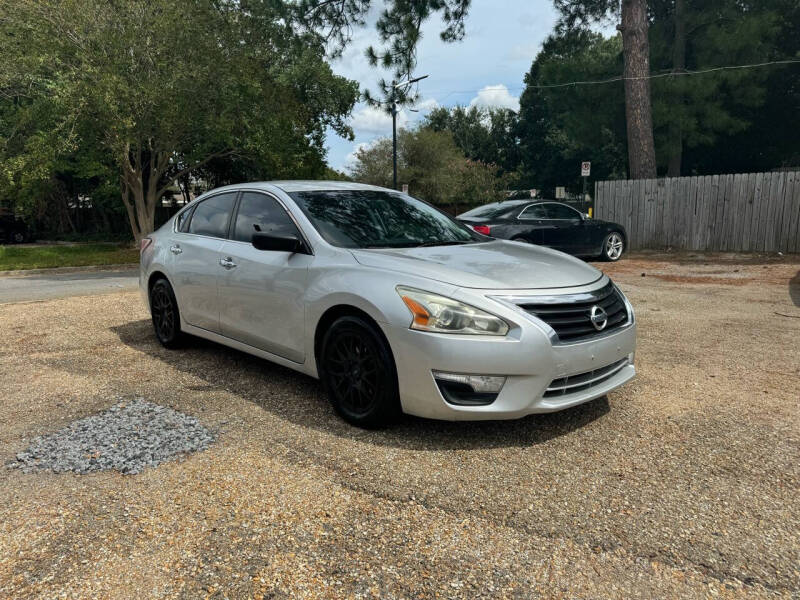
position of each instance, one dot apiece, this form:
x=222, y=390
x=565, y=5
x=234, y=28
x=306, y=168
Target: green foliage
x=560, y=127
x=484, y=135
x=694, y=111
x=162, y=87
x=434, y=168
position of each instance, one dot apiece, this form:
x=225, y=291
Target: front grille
x=571, y=320
x=583, y=381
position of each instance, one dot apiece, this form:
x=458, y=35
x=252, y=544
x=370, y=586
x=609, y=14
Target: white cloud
x=350, y=159
x=495, y=96
x=426, y=106
x=376, y=121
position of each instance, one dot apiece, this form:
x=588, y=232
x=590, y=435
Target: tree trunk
x=678, y=66
x=638, y=113
x=142, y=171
x=142, y=182
x=140, y=204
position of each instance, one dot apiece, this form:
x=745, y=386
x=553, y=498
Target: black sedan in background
x=548, y=223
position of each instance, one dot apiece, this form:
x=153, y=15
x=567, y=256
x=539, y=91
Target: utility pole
x=394, y=140
x=395, y=86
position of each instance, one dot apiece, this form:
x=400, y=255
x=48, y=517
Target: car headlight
x=439, y=314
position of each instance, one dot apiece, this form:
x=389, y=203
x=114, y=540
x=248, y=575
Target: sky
x=485, y=69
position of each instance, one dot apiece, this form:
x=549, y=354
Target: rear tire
x=358, y=371
x=165, y=315
x=613, y=247
x=519, y=238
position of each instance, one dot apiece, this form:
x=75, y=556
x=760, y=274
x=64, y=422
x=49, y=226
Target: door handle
x=175, y=249
x=227, y=262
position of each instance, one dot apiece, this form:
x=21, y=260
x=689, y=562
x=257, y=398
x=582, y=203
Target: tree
x=164, y=94
x=485, y=135
x=399, y=29
x=694, y=111
x=561, y=126
x=705, y=123
x=433, y=167
x=634, y=26
x=373, y=162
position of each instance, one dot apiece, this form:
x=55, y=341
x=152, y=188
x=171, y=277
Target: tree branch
x=191, y=168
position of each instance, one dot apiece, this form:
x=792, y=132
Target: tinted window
x=183, y=219
x=561, y=211
x=534, y=211
x=376, y=219
x=491, y=211
x=258, y=212
x=211, y=216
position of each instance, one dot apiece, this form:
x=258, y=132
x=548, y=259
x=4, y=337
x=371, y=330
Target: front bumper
x=527, y=357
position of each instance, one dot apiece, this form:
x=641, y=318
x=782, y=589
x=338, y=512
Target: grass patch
x=13, y=258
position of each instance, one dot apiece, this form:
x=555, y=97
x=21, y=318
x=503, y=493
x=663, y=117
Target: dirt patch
x=715, y=269
x=684, y=483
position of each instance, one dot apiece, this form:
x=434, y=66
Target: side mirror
x=278, y=243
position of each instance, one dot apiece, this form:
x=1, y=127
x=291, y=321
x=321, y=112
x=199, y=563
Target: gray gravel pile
x=128, y=437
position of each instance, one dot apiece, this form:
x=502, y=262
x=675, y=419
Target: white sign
x=586, y=168
x=405, y=188
x=560, y=193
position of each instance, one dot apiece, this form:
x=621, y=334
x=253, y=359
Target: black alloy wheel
x=166, y=318
x=359, y=373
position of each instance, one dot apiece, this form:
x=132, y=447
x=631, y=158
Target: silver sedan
x=393, y=304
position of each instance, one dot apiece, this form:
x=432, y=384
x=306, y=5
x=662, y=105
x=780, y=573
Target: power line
x=623, y=78
x=669, y=74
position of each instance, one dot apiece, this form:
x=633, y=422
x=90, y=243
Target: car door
x=262, y=301
x=530, y=223
x=195, y=250
x=563, y=228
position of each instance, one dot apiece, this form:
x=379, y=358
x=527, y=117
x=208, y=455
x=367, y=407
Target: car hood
x=492, y=265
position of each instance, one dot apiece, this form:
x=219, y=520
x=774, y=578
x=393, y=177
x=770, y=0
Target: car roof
x=303, y=186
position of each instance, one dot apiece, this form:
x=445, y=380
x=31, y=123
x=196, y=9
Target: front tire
x=613, y=247
x=165, y=315
x=359, y=374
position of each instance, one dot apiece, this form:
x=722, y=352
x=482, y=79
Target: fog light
x=469, y=390
x=478, y=383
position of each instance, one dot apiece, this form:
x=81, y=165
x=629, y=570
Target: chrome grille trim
x=568, y=316
x=580, y=381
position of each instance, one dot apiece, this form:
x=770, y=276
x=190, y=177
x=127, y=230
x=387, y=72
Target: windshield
x=491, y=211
x=376, y=219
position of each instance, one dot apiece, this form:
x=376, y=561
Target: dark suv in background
x=548, y=223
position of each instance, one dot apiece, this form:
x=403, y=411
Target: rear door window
x=211, y=217
x=534, y=211
x=561, y=211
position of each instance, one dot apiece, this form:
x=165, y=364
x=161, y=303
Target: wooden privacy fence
x=753, y=212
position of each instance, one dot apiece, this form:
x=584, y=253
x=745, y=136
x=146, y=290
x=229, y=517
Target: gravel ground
x=129, y=436
x=684, y=483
